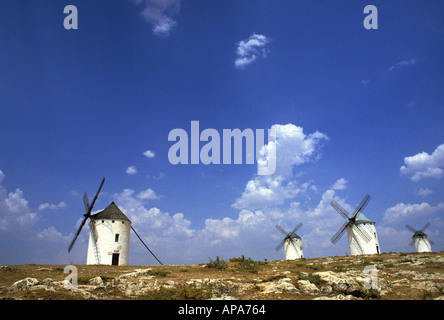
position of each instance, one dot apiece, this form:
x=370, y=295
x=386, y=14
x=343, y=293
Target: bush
x=217, y=264
x=246, y=264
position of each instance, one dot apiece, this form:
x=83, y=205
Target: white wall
x=422, y=244
x=293, y=251
x=106, y=230
x=357, y=243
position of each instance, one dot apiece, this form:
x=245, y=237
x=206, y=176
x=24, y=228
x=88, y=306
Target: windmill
x=292, y=243
x=109, y=235
x=360, y=229
x=420, y=240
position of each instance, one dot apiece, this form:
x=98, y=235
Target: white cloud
x=159, y=13
x=402, y=211
x=365, y=82
x=149, y=154
x=52, y=234
x=423, y=192
x=148, y=194
x=16, y=203
x=48, y=206
x=293, y=148
x=15, y=215
x=341, y=184
x=131, y=170
x=403, y=63
x=424, y=165
x=248, y=50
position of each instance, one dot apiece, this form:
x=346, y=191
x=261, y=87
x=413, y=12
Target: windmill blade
x=431, y=242
x=362, y=233
x=339, y=209
x=340, y=233
x=282, y=230
x=87, y=214
x=425, y=226
x=92, y=226
x=145, y=245
x=295, y=229
x=296, y=246
x=77, y=234
x=361, y=205
x=86, y=202
x=279, y=246
x=95, y=197
x=410, y=228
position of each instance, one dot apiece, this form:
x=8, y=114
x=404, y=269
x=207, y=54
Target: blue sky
x=357, y=111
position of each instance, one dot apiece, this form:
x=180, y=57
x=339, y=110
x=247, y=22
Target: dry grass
x=394, y=267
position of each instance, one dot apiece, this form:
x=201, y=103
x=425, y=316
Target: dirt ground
x=417, y=276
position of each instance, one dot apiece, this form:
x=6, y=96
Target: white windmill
x=420, y=240
x=361, y=231
x=292, y=243
x=109, y=236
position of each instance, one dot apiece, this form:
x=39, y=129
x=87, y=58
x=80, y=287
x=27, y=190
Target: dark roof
x=420, y=234
x=111, y=212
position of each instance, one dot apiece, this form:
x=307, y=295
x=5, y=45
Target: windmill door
x=115, y=260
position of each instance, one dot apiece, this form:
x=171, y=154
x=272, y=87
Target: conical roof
x=362, y=218
x=111, y=212
x=420, y=234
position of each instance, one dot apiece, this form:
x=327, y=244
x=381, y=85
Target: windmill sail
x=292, y=242
x=87, y=215
x=360, y=229
x=145, y=245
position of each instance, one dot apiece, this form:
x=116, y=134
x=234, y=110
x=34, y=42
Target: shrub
x=217, y=264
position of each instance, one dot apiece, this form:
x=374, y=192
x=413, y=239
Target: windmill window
x=117, y=237
x=103, y=221
x=113, y=221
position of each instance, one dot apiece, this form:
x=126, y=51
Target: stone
x=306, y=286
x=97, y=281
x=23, y=284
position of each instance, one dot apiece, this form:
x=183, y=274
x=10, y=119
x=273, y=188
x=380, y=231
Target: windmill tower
x=361, y=231
x=292, y=243
x=420, y=240
x=109, y=236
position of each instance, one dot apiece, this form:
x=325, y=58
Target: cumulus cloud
x=423, y=192
x=15, y=215
x=402, y=211
x=149, y=154
x=52, y=234
x=49, y=206
x=293, y=148
x=403, y=63
x=148, y=194
x=131, y=170
x=424, y=165
x=249, y=50
x=341, y=184
x=160, y=14
x=20, y=229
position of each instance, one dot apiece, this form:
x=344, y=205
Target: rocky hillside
x=389, y=276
